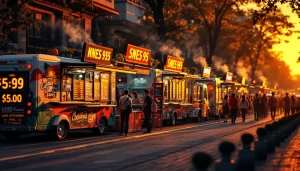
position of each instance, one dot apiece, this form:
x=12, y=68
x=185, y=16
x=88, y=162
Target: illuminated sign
x=137, y=55
x=229, y=76
x=14, y=95
x=174, y=64
x=96, y=54
x=206, y=72
x=142, y=71
x=243, y=81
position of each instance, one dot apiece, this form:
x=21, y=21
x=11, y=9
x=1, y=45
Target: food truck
x=177, y=90
x=215, y=101
x=45, y=93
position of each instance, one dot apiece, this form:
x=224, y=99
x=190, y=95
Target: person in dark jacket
x=256, y=105
x=234, y=107
x=287, y=105
x=147, y=110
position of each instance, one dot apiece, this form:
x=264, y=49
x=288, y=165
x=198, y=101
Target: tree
x=268, y=6
x=14, y=17
x=212, y=13
x=267, y=33
x=158, y=17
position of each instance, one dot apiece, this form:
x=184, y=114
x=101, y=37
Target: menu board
x=97, y=86
x=88, y=86
x=158, y=96
x=104, y=86
x=179, y=90
x=78, y=89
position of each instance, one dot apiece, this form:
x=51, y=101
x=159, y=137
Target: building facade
x=67, y=25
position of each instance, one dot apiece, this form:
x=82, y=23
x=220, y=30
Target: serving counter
x=135, y=119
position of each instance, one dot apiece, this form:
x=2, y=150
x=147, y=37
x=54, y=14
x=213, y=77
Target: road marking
x=76, y=147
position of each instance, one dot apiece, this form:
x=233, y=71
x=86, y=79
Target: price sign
x=174, y=64
x=137, y=55
x=96, y=54
x=14, y=95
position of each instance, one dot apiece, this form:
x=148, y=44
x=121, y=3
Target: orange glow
x=28, y=112
x=290, y=51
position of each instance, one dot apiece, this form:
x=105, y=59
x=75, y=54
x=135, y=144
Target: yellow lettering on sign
x=98, y=54
x=138, y=55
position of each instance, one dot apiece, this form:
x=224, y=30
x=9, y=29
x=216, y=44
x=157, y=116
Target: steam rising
x=169, y=48
x=198, y=57
x=242, y=70
x=260, y=76
x=76, y=34
x=219, y=64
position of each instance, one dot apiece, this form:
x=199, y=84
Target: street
x=170, y=148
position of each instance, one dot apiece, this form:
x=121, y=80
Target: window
x=45, y=30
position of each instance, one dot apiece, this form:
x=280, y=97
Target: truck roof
x=42, y=57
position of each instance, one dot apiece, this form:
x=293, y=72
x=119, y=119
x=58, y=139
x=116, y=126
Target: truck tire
x=173, y=119
x=102, y=126
x=61, y=130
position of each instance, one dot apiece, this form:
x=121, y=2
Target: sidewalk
x=286, y=157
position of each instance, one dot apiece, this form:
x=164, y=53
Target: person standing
x=244, y=105
x=226, y=109
x=273, y=106
x=293, y=105
x=263, y=103
x=234, y=107
x=125, y=105
x=135, y=98
x=287, y=104
x=256, y=106
x=147, y=110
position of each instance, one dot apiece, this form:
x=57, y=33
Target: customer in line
x=125, y=105
x=244, y=105
x=234, y=107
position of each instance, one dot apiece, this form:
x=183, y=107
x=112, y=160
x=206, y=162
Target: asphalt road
x=168, y=149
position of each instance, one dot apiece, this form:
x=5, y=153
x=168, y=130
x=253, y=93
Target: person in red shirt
x=234, y=106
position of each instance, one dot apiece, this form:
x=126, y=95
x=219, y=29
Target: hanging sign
x=228, y=77
x=138, y=55
x=96, y=54
x=174, y=64
x=206, y=72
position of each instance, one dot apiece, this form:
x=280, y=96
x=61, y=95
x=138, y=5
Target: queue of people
x=125, y=102
x=261, y=105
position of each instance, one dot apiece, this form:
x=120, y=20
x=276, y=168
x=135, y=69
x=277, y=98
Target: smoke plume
x=219, y=64
x=242, y=70
x=76, y=34
x=261, y=76
x=198, y=57
x=169, y=48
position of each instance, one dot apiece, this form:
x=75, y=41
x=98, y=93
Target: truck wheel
x=12, y=136
x=207, y=117
x=173, y=120
x=199, y=116
x=61, y=130
x=102, y=126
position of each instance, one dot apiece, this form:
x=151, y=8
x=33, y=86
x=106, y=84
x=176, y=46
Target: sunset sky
x=290, y=51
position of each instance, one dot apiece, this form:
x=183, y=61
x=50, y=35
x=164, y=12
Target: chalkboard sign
x=158, y=96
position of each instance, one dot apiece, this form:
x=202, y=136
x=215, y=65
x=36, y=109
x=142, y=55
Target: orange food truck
x=45, y=93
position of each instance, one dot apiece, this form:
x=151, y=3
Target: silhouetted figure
x=287, y=104
x=226, y=149
x=234, y=107
x=260, y=146
x=257, y=109
x=246, y=156
x=202, y=161
x=273, y=105
x=270, y=138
